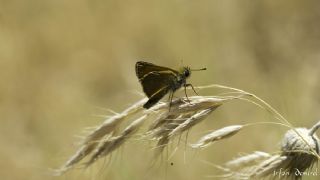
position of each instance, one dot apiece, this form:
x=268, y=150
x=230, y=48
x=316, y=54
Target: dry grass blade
x=169, y=123
x=162, y=133
x=110, y=124
x=181, y=110
x=77, y=157
x=268, y=166
x=109, y=145
x=247, y=160
x=183, y=115
x=314, y=129
x=162, y=143
x=267, y=107
x=217, y=135
x=196, y=103
x=296, y=155
x=299, y=149
x=190, y=122
x=91, y=141
x=160, y=120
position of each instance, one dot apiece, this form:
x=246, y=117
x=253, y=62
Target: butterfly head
x=186, y=72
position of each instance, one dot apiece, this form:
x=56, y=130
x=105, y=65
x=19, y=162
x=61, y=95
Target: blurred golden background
x=63, y=62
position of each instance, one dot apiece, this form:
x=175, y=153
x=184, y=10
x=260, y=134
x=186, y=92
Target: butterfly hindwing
x=154, y=82
x=156, y=97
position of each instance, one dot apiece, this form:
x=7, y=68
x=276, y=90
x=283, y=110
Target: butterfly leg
x=185, y=91
x=170, y=99
x=192, y=88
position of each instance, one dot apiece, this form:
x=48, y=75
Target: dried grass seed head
x=194, y=104
x=248, y=160
x=268, y=166
x=191, y=121
x=107, y=146
x=217, y=135
x=299, y=148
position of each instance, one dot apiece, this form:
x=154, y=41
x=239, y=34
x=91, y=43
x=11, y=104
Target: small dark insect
x=157, y=81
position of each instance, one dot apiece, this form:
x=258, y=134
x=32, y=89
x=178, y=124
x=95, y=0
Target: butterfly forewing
x=143, y=68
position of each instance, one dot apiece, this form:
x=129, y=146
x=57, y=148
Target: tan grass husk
x=108, y=136
x=217, y=135
x=109, y=145
x=296, y=155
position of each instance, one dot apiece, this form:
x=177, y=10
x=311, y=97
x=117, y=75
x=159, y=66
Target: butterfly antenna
x=202, y=69
x=181, y=62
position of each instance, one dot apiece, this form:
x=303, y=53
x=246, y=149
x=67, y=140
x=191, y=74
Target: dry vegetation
x=299, y=152
x=61, y=61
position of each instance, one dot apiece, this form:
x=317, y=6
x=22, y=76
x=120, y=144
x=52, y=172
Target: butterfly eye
x=186, y=73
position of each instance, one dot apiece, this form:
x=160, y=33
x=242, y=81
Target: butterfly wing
x=143, y=68
x=156, y=81
x=156, y=85
x=156, y=97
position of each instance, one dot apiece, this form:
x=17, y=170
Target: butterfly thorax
x=184, y=73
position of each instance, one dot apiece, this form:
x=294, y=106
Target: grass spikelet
x=111, y=123
x=191, y=121
x=247, y=160
x=182, y=116
x=162, y=118
x=296, y=155
x=299, y=150
x=267, y=167
x=91, y=141
x=196, y=103
x=217, y=135
x=104, y=139
x=111, y=144
x=169, y=123
x=161, y=144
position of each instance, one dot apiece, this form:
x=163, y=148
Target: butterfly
x=157, y=81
